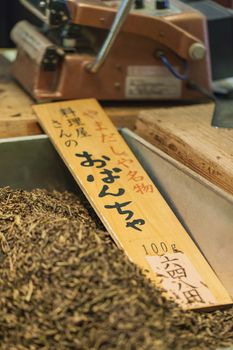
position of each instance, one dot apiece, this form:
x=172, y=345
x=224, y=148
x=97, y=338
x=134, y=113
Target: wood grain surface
x=128, y=203
x=16, y=117
x=185, y=133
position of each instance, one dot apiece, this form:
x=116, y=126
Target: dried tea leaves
x=65, y=285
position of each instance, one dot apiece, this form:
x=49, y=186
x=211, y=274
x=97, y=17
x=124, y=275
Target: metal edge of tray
x=203, y=209
x=30, y=162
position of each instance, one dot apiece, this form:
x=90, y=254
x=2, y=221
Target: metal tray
x=204, y=210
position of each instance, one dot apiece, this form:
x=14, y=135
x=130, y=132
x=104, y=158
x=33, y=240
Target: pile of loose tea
x=65, y=285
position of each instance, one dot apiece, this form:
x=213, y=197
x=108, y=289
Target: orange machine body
x=132, y=69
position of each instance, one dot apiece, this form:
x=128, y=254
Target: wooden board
x=128, y=203
x=16, y=116
x=185, y=133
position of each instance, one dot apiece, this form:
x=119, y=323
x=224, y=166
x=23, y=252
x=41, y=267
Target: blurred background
x=11, y=11
x=219, y=15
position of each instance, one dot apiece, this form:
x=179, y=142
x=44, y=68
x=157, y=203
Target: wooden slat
x=185, y=133
x=128, y=203
x=16, y=116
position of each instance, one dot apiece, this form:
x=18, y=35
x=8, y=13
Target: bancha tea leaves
x=65, y=285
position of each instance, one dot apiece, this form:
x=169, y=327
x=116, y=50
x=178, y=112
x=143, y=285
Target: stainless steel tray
x=32, y=162
x=205, y=211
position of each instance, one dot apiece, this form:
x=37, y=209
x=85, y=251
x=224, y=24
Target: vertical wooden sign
x=129, y=204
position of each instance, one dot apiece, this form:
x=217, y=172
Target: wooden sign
x=129, y=204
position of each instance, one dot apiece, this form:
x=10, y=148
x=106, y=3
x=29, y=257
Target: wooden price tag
x=129, y=204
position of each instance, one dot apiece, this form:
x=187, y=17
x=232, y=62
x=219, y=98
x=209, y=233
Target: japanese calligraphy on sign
x=110, y=178
x=127, y=201
x=180, y=279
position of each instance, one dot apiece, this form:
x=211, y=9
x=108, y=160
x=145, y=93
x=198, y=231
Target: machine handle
x=118, y=22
